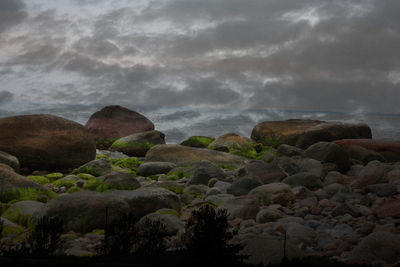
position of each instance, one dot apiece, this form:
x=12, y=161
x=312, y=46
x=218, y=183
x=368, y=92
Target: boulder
x=9, y=160
x=261, y=172
x=152, y=168
x=242, y=186
x=230, y=140
x=376, y=247
x=20, y=212
x=391, y=208
x=84, y=211
x=137, y=145
x=96, y=167
x=269, y=215
x=183, y=155
x=331, y=131
x=198, y=141
x=364, y=155
x=291, y=166
x=243, y=207
x=10, y=180
x=373, y=173
x=120, y=180
x=382, y=190
x=116, y=122
x=289, y=151
x=171, y=222
x=326, y=152
x=203, y=171
x=149, y=199
x=274, y=193
x=305, y=179
x=274, y=133
x=218, y=199
x=46, y=142
x=389, y=150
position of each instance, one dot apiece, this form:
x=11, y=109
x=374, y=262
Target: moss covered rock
x=96, y=167
x=198, y=141
x=21, y=212
x=119, y=181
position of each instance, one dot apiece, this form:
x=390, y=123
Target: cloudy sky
x=330, y=55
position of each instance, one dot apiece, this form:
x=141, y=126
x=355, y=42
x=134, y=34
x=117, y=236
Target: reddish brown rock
x=116, y=122
x=390, y=150
x=281, y=132
x=391, y=208
x=46, y=142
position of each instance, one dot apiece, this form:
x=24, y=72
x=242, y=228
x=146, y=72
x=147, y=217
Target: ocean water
x=179, y=124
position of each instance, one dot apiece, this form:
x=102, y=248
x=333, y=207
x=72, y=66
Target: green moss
x=74, y=189
x=227, y=167
x=126, y=163
x=85, y=176
x=12, y=230
x=168, y=211
x=39, y=179
x=198, y=141
x=69, y=236
x=98, y=231
x=104, y=143
x=3, y=207
x=85, y=169
x=176, y=175
x=92, y=184
x=19, y=194
x=99, y=156
x=54, y=176
x=64, y=182
x=273, y=141
x=175, y=189
x=16, y=217
x=106, y=187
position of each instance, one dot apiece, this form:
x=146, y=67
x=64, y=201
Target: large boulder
x=145, y=200
x=203, y=171
x=242, y=186
x=120, y=180
x=274, y=193
x=389, y=150
x=10, y=180
x=261, y=172
x=364, y=155
x=9, y=160
x=84, y=211
x=198, y=141
x=183, y=155
x=326, y=152
x=243, y=207
x=373, y=173
x=116, y=122
x=136, y=145
x=331, y=131
x=377, y=247
x=152, y=168
x=46, y=142
x=274, y=133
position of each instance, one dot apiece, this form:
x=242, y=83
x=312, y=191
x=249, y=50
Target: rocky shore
x=295, y=188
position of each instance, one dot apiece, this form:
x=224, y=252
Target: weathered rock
x=305, y=179
x=120, y=180
x=203, y=171
x=198, y=141
x=96, y=167
x=328, y=153
x=243, y=207
x=373, y=173
x=389, y=150
x=145, y=200
x=10, y=180
x=331, y=131
x=274, y=193
x=137, y=145
x=377, y=247
x=46, y=142
x=218, y=199
x=9, y=160
x=261, y=172
x=183, y=155
x=196, y=190
x=152, y=168
x=345, y=209
x=269, y=215
x=221, y=185
x=230, y=140
x=334, y=178
x=332, y=189
x=242, y=186
x=116, y=122
x=364, y=155
x=289, y=151
x=21, y=211
x=281, y=132
x=382, y=190
x=171, y=222
x=84, y=211
x=391, y=208
x=291, y=166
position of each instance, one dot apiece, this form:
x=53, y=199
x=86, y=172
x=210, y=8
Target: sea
x=180, y=123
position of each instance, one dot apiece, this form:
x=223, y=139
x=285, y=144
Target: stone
x=373, y=173
x=291, y=166
x=376, y=247
x=326, y=152
x=223, y=186
x=183, y=155
x=364, y=155
x=305, y=179
x=382, y=190
x=388, y=149
x=231, y=141
x=9, y=160
x=96, y=167
x=117, y=122
x=148, y=199
x=218, y=199
x=46, y=142
x=261, y=172
x=10, y=180
x=198, y=190
x=390, y=208
x=334, y=178
x=275, y=133
x=332, y=189
x=242, y=186
x=202, y=172
x=120, y=181
x=269, y=215
x=243, y=207
x=152, y=168
x=172, y=223
x=331, y=131
x=198, y=141
x=84, y=211
x=289, y=151
x=274, y=193
x=137, y=144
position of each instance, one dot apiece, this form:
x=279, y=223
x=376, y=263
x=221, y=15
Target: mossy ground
x=64, y=182
x=92, y=184
x=54, y=176
x=86, y=170
x=126, y=163
x=74, y=190
x=16, y=217
x=19, y=194
x=39, y=179
x=198, y=141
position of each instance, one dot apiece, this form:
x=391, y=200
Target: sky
x=329, y=55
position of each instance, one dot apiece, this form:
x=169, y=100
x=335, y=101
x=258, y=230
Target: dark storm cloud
x=6, y=97
x=12, y=12
x=179, y=115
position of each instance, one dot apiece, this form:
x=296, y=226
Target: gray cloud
x=12, y=12
x=6, y=97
